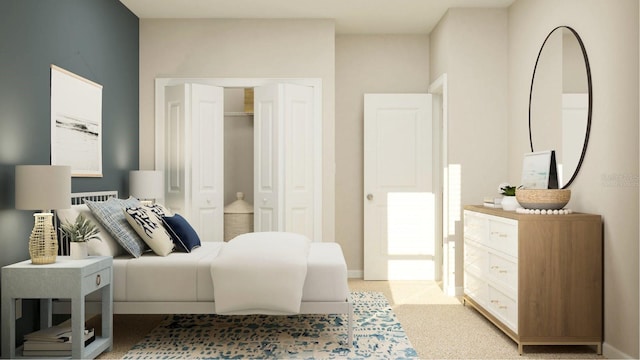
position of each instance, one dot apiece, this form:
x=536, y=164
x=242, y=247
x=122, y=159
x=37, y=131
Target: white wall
x=367, y=64
x=470, y=46
x=244, y=49
x=608, y=181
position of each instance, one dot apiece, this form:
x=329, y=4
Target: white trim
x=355, y=274
x=440, y=134
x=315, y=83
x=610, y=352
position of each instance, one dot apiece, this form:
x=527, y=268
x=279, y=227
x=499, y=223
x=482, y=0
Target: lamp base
x=43, y=242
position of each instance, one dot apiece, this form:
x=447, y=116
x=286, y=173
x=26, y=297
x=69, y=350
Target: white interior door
x=284, y=159
x=298, y=154
x=193, y=158
x=207, y=161
x=266, y=162
x=175, y=164
x=399, y=202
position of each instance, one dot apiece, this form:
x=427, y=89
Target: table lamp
x=146, y=185
x=43, y=187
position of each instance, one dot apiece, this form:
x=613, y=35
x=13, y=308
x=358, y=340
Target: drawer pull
x=98, y=279
x=502, y=271
x=495, y=267
x=502, y=307
x=495, y=301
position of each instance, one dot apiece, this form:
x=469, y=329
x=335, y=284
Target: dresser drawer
x=503, y=235
x=504, y=271
x=96, y=280
x=475, y=227
x=475, y=258
x=503, y=307
x=475, y=288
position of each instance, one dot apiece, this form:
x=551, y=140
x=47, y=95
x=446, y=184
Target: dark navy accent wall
x=96, y=39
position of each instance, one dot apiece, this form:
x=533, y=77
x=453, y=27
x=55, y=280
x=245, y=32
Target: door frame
x=314, y=83
x=446, y=252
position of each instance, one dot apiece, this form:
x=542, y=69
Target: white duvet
x=261, y=273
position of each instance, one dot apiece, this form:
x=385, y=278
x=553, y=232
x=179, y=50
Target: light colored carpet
x=438, y=327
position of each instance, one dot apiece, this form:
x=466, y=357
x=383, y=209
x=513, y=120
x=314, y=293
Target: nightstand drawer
x=97, y=280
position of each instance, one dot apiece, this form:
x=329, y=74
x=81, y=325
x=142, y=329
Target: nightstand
x=64, y=279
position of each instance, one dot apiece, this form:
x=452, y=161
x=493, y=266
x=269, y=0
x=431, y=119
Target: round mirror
x=560, y=101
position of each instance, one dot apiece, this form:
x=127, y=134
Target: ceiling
x=351, y=16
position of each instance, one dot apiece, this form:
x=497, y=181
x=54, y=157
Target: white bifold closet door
x=194, y=158
x=284, y=160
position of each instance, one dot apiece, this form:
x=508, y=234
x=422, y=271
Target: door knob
x=369, y=196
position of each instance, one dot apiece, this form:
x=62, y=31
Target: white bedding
x=260, y=273
x=186, y=277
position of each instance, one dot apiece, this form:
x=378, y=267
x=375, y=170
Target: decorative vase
x=509, y=203
x=79, y=250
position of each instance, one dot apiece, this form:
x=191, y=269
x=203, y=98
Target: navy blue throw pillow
x=181, y=232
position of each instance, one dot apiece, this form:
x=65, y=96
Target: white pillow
x=104, y=245
x=147, y=224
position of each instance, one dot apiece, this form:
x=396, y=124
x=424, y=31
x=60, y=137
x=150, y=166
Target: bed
x=182, y=283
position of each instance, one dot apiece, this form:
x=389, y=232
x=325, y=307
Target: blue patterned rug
x=377, y=334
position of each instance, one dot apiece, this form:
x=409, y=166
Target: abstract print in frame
x=76, y=123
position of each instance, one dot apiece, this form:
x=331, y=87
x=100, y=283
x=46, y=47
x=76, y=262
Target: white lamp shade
x=146, y=184
x=43, y=187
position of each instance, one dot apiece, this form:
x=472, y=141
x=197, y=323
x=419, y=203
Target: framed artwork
x=539, y=170
x=76, y=123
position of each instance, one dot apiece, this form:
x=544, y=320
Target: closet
x=283, y=177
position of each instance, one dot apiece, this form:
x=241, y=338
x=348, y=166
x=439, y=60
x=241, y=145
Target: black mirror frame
x=589, y=111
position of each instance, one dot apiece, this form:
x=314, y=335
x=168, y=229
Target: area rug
x=377, y=334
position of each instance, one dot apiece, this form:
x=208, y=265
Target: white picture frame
x=76, y=123
x=539, y=170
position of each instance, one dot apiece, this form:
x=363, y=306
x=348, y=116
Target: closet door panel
x=266, y=164
x=298, y=154
x=175, y=163
x=207, y=134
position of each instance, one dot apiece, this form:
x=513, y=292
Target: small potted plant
x=79, y=233
x=509, y=201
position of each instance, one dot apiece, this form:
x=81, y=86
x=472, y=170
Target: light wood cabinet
x=536, y=277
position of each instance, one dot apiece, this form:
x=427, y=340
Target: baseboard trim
x=355, y=274
x=611, y=352
x=454, y=291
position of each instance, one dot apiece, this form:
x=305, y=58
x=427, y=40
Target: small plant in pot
x=509, y=201
x=79, y=233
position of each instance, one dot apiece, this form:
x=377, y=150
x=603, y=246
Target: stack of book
x=493, y=202
x=53, y=341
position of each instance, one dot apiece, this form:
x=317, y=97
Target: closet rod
x=237, y=113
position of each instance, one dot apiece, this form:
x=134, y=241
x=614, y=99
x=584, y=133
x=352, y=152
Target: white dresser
x=537, y=277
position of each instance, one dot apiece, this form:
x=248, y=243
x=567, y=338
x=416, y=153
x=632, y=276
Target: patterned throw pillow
x=109, y=213
x=182, y=234
x=159, y=210
x=145, y=221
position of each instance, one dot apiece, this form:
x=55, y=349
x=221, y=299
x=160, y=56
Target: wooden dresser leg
x=520, y=349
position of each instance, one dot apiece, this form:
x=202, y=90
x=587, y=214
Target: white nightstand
x=64, y=279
